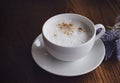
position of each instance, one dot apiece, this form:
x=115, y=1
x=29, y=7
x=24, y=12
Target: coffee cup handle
x=102, y=32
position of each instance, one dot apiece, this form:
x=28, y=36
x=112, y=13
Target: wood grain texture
x=21, y=23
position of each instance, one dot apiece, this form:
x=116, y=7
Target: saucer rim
x=65, y=75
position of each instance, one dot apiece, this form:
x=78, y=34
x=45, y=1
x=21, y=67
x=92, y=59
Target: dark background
x=21, y=23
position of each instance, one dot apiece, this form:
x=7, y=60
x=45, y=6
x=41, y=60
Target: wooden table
x=21, y=23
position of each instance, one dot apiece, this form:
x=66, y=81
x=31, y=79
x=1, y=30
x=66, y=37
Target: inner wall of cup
x=84, y=22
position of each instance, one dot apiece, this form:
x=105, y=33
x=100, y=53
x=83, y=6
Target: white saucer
x=57, y=67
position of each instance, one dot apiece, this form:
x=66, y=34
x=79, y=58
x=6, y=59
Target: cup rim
x=75, y=15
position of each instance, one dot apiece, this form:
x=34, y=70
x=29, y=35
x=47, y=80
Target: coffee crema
x=68, y=33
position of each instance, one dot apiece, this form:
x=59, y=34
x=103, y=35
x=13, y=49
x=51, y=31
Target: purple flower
x=110, y=49
x=111, y=35
x=118, y=49
x=111, y=40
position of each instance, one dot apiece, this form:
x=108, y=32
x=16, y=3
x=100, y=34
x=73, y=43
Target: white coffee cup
x=71, y=53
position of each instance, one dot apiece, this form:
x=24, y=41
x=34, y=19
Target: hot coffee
x=67, y=32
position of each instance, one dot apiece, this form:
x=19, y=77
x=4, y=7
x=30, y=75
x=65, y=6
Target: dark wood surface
x=21, y=23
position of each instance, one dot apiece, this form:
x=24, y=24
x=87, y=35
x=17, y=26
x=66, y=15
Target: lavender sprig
x=110, y=35
x=110, y=48
x=118, y=49
x=111, y=40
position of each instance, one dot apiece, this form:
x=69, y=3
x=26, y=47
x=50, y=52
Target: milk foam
x=74, y=38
